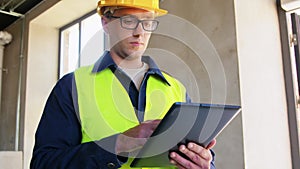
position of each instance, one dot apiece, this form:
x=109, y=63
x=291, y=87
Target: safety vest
x=105, y=107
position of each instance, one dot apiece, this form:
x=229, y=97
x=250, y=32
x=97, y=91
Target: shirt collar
x=105, y=61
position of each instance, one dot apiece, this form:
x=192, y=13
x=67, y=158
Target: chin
x=136, y=51
x=133, y=54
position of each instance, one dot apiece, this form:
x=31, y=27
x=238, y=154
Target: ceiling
x=10, y=9
x=52, y=17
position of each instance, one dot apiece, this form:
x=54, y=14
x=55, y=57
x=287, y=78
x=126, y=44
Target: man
x=100, y=114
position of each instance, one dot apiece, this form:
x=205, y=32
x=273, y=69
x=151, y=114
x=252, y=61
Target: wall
x=9, y=159
x=41, y=76
x=265, y=126
x=9, y=90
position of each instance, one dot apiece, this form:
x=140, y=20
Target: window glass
x=69, y=49
x=92, y=37
x=81, y=43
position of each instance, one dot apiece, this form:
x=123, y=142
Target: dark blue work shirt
x=58, y=137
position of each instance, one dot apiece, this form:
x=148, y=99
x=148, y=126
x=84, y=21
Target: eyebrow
x=142, y=17
x=148, y=15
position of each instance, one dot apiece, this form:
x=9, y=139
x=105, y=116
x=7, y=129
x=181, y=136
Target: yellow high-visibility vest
x=105, y=107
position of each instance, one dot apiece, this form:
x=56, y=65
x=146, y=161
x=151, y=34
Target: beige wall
x=41, y=77
x=265, y=126
x=11, y=159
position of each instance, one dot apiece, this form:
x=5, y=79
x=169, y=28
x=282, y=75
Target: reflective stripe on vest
x=105, y=107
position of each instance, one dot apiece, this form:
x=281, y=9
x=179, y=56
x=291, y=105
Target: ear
x=105, y=21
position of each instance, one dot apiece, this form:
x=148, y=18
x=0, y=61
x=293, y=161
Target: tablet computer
x=184, y=122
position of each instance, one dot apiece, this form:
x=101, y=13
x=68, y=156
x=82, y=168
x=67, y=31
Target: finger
x=198, y=150
x=200, y=161
x=181, y=162
x=156, y=121
x=176, y=164
x=128, y=144
x=211, y=144
x=152, y=123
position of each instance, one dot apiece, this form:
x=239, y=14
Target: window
x=81, y=43
x=290, y=37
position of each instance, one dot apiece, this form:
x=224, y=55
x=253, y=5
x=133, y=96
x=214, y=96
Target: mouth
x=136, y=43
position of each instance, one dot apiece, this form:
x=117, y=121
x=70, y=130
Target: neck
x=127, y=62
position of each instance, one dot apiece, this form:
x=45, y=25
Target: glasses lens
x=149, y=25
x=129, y=22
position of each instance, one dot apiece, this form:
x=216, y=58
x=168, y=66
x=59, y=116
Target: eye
x=147, y=23
x=129, y=20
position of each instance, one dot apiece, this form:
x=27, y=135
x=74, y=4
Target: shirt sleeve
x=212, y=164
x=58, y=137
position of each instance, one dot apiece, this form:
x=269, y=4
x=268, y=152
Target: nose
x=138, y=31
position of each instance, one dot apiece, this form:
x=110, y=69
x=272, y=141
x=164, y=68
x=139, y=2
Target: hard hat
x=149, y=5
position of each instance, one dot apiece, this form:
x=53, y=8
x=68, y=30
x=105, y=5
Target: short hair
x=108, y=11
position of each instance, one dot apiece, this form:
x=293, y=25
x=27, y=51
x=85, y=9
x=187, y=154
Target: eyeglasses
x=131, y=22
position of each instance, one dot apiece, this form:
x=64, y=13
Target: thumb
x=211, y=144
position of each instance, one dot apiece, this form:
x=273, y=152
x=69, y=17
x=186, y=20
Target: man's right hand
x=134, y=138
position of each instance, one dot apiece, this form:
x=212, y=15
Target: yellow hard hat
x=149, y=5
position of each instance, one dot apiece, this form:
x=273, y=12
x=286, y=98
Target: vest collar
x=106, y=61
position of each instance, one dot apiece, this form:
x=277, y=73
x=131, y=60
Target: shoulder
x=64, y=85
x=66, y=80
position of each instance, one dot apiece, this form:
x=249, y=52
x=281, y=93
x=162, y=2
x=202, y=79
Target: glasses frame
x=138, y=22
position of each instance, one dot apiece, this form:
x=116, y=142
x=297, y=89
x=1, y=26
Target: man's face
x=129, y=44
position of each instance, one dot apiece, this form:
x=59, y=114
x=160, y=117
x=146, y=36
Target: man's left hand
x=200, y=157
